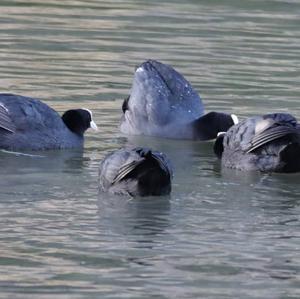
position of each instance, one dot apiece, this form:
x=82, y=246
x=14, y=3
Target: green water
x=221, y=233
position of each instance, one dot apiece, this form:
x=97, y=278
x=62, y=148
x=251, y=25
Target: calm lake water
x=221, y=233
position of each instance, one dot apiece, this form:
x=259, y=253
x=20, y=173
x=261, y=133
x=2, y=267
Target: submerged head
x=79, y=120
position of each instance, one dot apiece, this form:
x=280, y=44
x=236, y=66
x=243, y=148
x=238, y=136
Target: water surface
x=221, y=233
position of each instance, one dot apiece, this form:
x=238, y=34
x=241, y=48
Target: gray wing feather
x=125, y=170
x=270, y=135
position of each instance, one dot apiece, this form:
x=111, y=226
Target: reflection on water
x=39, y=173
x=142, y=218
x=221, y=233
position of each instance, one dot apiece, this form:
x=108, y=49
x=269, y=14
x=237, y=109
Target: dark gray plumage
x=268, y=143
x=163, y=103
x=27, y=123
x=137, y=172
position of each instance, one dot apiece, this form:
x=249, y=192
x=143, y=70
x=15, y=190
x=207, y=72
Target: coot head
x=218, y=145
x=79, y=120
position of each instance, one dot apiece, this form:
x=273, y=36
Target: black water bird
x=29, y=124
x=268, y=143
x=163, y=103
x=136, y=172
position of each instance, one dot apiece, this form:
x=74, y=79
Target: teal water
x=221, y=233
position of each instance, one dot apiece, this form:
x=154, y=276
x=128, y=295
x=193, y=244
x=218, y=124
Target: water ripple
x=219, y=234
